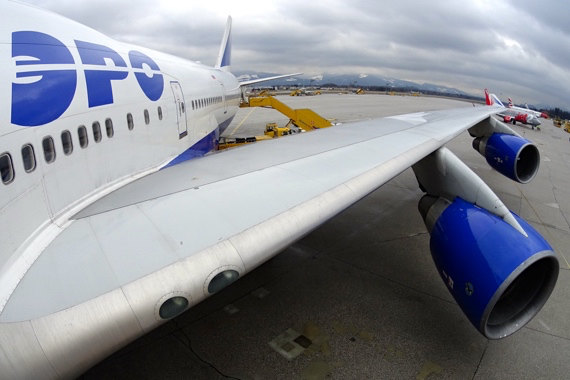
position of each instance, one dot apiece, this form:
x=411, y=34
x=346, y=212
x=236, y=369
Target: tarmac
x=360, y=297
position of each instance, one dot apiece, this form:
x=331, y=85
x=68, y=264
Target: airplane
x=114, y=199
x=512, y=115
x=511, y=105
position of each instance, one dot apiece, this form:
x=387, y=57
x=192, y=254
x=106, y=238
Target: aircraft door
x=180, y=109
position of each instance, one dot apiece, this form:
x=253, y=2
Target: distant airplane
x=117, y=214
x=527, y=110
x=512, y=115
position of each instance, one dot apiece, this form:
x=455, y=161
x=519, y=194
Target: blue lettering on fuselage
x=99, y=90
x=152, y=86
x=47, y=98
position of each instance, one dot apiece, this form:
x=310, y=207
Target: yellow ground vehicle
x=557, y=122
x=273, y=130
x=304, y=119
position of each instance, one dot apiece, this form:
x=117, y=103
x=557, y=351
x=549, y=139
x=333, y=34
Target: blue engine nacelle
x=499, y=277
x=510, y=155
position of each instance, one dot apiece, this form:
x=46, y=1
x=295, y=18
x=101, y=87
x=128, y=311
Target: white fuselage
x=525, y=110
x=123, y=112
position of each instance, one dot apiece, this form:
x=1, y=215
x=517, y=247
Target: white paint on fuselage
x=36, y=206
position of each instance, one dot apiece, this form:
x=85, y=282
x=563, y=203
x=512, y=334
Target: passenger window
x=6, y=168
x=193, y=105
x=97, y=131
x=109, y=128
x=146, y=117
x=49, y=149
x=66, y=142
x=130, y=123
x=83, y=138
x=29, y=158
x=159, y=113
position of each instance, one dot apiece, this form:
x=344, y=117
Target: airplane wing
x=260, y=80
x=170, y=239
x=260, y=198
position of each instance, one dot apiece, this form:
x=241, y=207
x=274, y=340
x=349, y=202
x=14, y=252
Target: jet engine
x=499, y=277
x=511, y=155
x=497, y=267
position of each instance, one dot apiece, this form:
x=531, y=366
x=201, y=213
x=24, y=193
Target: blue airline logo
x=41, y=101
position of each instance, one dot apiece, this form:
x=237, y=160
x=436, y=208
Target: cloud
x=514, y=48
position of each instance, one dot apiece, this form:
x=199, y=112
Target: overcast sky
x=517, y=48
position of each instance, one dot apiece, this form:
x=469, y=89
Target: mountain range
x=354, y=80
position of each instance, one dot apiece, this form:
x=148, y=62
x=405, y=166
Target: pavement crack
x=187, y=342
x=389, y=279
x=547, y=333
x=480, y=360
x=561, y=212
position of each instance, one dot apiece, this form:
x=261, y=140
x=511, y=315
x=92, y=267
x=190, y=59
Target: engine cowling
x=499, y=277
x=511, y=155
x=521, y=117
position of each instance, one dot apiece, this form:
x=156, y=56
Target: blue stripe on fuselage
x=207, y=144
x=225, y=124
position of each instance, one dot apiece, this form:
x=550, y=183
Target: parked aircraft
x=512, y=115
x=527, y=110
x=114, y=205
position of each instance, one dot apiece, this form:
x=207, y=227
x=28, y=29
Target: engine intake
x=510, y=155
x=499, y=277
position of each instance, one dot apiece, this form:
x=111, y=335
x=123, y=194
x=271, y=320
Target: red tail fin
x=488, y=100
